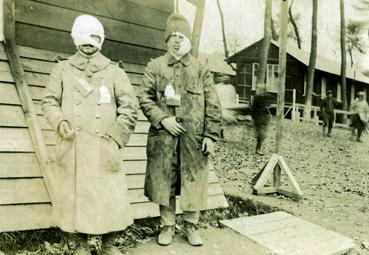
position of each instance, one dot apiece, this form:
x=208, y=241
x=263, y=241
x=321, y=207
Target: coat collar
x=185, y=60
x=95, y=63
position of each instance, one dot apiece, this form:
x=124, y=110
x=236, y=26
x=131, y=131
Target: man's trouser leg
x=325, y=123
x=167, y=213
x=330, y=124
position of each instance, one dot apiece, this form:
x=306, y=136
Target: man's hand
x=207, y=146
x=172, y=126
x=65, y=130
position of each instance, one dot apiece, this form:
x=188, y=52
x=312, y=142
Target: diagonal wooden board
x=285, y=234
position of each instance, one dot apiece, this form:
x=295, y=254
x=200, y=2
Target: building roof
x=216, y=63
x=322, y=63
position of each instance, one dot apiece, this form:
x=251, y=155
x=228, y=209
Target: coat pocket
x=110, y=155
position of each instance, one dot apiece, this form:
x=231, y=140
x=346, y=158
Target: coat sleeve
x=213, y=112
x=127, y=105
x=147, y=98
x=52, y=98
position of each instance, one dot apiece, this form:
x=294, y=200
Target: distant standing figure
x=359, y=115
x=91, y=104
x=179, y=99
x=327, y=106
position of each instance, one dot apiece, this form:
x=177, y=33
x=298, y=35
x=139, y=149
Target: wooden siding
x=132, y=38
x=134, y=34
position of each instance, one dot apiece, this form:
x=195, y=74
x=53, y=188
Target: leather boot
x=166, y=235
x=192, y=235
x=258, y=147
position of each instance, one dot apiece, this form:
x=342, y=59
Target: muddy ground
x=332, y=172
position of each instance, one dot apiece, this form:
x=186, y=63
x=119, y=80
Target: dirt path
x=333, y=174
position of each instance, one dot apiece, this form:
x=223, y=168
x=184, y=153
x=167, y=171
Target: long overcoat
x=95, y=96
x=199, y=113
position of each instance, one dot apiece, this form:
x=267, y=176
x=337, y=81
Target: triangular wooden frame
x=275, y=166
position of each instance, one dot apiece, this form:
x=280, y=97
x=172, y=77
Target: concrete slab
x=216, y=242
x=285, y=234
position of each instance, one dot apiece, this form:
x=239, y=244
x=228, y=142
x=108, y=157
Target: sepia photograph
x=184, y=127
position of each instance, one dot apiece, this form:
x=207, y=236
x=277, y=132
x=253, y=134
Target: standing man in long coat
x=91, y=104
x=327, y=106
x=179, y=99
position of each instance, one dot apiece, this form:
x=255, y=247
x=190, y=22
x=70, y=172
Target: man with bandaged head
x=91, y=104
x=178, y=97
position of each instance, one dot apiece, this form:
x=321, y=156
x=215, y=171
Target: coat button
x=78, y=102
x=96, y=131
x=78, y=129
x=179, y=119
x=98, y=103
x=97, y=116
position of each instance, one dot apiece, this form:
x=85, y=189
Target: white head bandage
x=184, y=48
x=84, y=27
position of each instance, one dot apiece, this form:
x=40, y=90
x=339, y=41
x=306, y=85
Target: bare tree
x=312, y=61
x=293, y=27
x=292, y=19
x=354, y=40
x=226, y=52
x=343, y=54
x=264, y=51
x=275, y=35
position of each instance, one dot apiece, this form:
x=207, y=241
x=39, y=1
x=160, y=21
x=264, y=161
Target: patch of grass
x=54, y=241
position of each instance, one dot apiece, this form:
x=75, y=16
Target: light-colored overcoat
x=199, y=114
x=95, y=96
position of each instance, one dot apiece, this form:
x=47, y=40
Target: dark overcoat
x=95, y=96
x=199, y=114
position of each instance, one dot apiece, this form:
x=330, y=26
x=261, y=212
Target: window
x=271, y=76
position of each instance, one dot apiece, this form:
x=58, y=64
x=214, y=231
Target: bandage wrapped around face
x=184, y=48
x=84, y=27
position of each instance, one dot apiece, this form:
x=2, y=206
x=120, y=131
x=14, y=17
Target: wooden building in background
x=327, y=74
x=41, y=32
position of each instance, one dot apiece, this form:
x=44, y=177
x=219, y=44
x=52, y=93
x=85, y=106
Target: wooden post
x=24, y=94
x=197, y=27
x=281, y=74
x=277, y=163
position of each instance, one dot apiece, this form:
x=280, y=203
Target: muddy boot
x=258, y=147
x=191, y=234
x=108, y=247
x=166, y=235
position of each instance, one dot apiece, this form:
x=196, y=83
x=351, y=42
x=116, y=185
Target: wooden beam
x=23, y=91
x=281, y=74
x=197, y=27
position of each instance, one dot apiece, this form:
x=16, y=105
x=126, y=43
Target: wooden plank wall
x=24, y=202
x=134, y=31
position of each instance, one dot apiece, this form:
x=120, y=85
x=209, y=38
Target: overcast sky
x=245, y=20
